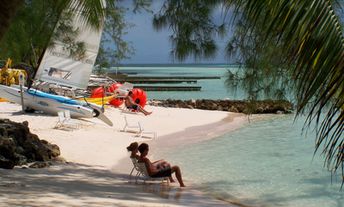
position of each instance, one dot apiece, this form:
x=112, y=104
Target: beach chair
x=129, y=127
x=65, y=122
x=135, y=168
x=69, y=119
x=143, y=174
x=144, y=133
x=125, y=110
x=61, y=120
x=127, y=86
x=123, y=90
x=138, y=129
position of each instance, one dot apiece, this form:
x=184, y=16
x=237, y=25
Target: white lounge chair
x=127, y=86
x=65, y=122
x=131, y=127
x=123, y=90
x=144, y=133
x=143, y=174
x=136, y=168
x=125, y=110
x=69, y=119
x=138, y=129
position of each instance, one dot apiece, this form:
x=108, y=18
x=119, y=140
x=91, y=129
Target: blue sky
x=154, y=47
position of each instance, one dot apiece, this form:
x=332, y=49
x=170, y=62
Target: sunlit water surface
x=266, y=163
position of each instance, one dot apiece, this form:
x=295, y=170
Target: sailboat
x=60, y=68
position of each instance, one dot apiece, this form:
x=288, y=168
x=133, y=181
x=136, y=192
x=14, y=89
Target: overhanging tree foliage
x=192, y=27
x=311, y=35
x=35, y=27
x=262, y=63
x=113, y=48
x=311, y=38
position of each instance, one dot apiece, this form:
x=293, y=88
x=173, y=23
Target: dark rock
x=248, y=107
x=8, y=149
x=54, y=150
x=18, y=146
x=26, y=123
x=6, y=163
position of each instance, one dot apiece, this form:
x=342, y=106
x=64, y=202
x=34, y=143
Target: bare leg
x=171, y=179
x=143, y=111
x=176, y=169
x=163, y=164
x=167, y=165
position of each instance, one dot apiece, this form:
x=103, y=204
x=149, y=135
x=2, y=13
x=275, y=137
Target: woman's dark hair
x=132, y=146
x=143, y=147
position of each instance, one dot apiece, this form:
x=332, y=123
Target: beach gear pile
x=9, y=75
x=139, y=95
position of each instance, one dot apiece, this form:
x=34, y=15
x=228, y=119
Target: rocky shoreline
x=237, y=106
x=18, y=146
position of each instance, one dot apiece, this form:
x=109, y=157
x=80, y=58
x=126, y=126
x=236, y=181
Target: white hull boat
x=51, y=104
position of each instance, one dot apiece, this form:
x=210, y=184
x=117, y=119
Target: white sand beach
x=98, y=165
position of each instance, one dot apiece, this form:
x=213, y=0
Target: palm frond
x=92, y=12
x=312, y=36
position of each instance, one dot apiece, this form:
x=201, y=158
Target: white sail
x=58, y=67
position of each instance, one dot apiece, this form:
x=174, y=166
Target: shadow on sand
x=78, y=185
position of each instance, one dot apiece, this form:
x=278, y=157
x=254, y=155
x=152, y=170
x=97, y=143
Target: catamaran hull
x=35, y=99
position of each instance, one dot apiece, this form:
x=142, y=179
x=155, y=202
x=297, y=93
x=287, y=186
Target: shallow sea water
x=266, y=163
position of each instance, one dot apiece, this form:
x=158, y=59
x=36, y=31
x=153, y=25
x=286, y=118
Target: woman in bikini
x=153, y=171
x=159, y=164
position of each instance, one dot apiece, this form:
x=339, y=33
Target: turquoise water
x=267, y=163
x=211, y=88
